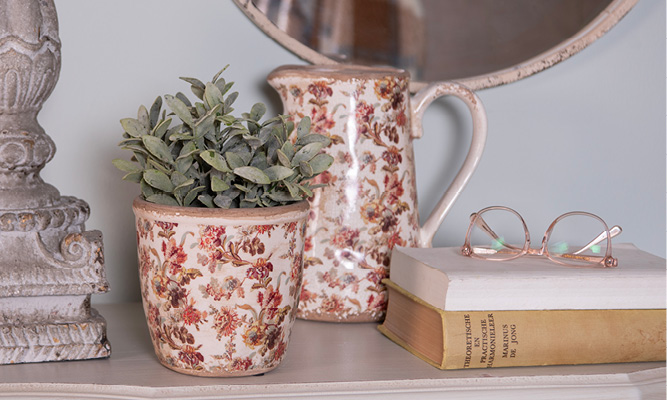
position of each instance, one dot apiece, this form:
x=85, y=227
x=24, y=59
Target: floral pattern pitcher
x=369, y=203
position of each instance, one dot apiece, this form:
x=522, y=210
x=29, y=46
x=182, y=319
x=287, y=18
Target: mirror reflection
x=433, y=39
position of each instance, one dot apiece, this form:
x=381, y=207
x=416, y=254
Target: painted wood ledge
x=324, y=360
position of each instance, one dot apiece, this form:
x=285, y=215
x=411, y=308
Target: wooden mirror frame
x=600, y=25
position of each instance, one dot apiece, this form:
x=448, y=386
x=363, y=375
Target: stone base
x=51, y=341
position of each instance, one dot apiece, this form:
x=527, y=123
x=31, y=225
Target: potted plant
x=220, y=227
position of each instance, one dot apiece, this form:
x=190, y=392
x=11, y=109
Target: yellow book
x=509, y=338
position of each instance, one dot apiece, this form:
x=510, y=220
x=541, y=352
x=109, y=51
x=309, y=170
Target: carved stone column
x=49, y=263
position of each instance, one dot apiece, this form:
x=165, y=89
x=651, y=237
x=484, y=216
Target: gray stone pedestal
x=49, y=263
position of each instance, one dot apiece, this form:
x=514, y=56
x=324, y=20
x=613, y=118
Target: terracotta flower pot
x=220, y=288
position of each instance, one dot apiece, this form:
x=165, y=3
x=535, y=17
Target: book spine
x=481, y=339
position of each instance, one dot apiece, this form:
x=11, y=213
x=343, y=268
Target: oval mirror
x=480, y=43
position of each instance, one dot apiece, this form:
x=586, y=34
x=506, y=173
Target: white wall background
x=587, y=134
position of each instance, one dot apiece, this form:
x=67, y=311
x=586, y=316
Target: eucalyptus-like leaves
x=210, y=158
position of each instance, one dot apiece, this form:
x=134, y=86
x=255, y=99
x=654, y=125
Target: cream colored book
x=507, y=338
x=450, y=281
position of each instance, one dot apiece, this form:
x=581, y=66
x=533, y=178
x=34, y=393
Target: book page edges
x=407, y=347
x=402, y=343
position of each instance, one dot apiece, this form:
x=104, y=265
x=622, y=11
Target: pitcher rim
x=337, y=71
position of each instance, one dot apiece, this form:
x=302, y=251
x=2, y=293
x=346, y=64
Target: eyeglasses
x=500, y=234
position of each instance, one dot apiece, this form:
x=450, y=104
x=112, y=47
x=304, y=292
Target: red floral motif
x=396, y=240
x=320, y=90
x=321, y=121
x=345, y=238
x=270, y=302
x=308, y=244
x=392, y=156
x=190, y=356
x=211, y=237
x=260, y=269
x=393, y=187
x=401, y=118
x=153, y=316
x=145, y=262
x=333, y=304
x=306, y=295
x=174, y=256
x=226, y=321
x=191, y=316
x=241, y=364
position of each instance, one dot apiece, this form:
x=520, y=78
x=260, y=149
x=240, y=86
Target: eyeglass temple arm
x=613, y=232
x=483, y=225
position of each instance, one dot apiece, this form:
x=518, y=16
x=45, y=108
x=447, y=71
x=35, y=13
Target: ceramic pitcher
x=369, y=203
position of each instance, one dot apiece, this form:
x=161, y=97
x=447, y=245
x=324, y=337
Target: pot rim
x=337, y=71
x=257, y=213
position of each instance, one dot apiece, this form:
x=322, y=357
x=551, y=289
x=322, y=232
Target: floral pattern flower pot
x=220, y=288
x=370, y=203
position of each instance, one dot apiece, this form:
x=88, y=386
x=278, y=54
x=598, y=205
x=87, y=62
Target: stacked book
x=458, y=312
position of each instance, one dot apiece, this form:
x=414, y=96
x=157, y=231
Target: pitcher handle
x=420, y=101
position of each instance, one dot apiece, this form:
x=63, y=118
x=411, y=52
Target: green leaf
x=212, y=95
x=215, y=160
x=222, y=201
x=143, y=118
x=177, y=179
x=188, y=149
x=146, y=189
x=306, y=153
x=133, y=177
x=126, y=166
x=313, y=138
x=231, y=98
x=133, y=127
x=193, y=81
x=284, y=160
x=184, y=185
x=321, y=163
x=234, y=160
x=158, y=148
x=304, y=127
x=252, y=174
x=305, y=190
x=162, y=199
x=215, y=77
x=306, y=169
x=293, y=189
x=192, y=194
x=155, y=111
x=288, y=149
x=258, y=110
x=161, y=128
x=282, y=197
x=205, y=124
x=158, y=180
x=206, y=200
x=179, y=108
x=278, y=173
x=218, y=185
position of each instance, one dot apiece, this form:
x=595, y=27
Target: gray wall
x=587, y=134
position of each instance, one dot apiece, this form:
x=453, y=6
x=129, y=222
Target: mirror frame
x=600, y=25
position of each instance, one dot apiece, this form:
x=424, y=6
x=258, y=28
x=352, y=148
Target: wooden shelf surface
x=324, y=360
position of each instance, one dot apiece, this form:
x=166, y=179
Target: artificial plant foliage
x=200, y=155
